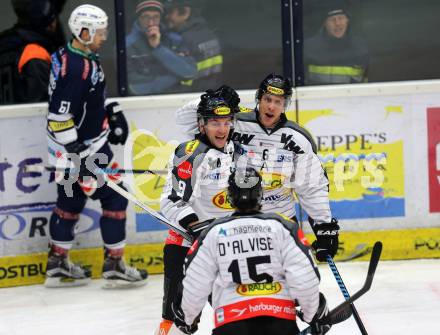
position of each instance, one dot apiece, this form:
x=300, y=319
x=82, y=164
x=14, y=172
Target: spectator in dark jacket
x=335, y=55
x=25, y=52
x=157, y=61
x=183, y=18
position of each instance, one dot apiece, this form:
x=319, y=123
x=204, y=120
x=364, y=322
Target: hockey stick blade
x=343, y=311
x=361, y=250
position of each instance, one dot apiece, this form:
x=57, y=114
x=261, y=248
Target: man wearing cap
x=335, y=55
x=183, y=18
x=25, y=52
x=157, y=62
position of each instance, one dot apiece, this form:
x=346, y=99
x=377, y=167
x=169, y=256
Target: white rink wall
x=380, y=144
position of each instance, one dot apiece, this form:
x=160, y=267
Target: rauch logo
x=221, y=200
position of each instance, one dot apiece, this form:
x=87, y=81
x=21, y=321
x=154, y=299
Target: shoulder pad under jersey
x=295, y=126
x=191, y=148
x=249, y=116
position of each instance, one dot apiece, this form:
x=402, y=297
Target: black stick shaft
x=40, y=168
x=345, y=293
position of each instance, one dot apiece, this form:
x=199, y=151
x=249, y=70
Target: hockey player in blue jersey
x=80, y=127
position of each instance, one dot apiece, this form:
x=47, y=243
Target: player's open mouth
x=269, y=115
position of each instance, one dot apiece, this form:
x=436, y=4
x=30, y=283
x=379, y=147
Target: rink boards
x=397, y=244
x=380, y=145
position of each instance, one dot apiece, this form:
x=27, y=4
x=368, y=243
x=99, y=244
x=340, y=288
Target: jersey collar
x=280, y=124
x=90, y=55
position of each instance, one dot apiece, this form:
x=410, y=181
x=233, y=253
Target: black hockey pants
x=263, y=325
x=173, y=260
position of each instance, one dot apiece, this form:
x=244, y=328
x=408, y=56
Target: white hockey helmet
x=87, y=17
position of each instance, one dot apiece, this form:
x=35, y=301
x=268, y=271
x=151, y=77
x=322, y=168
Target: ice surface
x=404, y=299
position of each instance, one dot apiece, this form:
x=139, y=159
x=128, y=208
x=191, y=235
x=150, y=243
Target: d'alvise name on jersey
x=255, y=249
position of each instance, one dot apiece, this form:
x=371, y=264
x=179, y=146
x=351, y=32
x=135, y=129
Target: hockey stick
x=345, y=293
x=343, y=311
x=360, y=251
x=127, y=195
x=41, y=168
x=344, y=290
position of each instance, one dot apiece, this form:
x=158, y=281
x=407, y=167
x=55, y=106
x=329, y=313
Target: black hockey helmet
x=212, y=106
x=37, y=14
x=277, y=85
x=245, y=190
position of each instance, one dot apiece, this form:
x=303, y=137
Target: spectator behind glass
x=183, y=18
x=25, y=52
x=157, y=61
x=59, y=35
x=335, y=55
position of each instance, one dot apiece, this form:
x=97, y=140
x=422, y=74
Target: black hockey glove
x=204, y=99
x=118, y=124
x=230, y=96
x=206, y=96
x=196, y=229
x=179, y=320
x=320, y=323
x=327, y=239
x=82, y=150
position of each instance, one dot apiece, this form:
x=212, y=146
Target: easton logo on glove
x=326, y=239
x=327, y=232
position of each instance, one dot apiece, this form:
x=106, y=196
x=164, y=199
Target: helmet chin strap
x=201, y=124
x=79, y=43
x=85, y=43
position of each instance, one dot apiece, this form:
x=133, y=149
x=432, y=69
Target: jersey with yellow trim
x=24, y=65
x=286, y=158
x=76, y=103
x=253, y=265
x=329, y=60
x=196, y=186
x=204, y=46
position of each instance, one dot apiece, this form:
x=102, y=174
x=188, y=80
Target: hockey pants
x=173, y=259
x=263, y=325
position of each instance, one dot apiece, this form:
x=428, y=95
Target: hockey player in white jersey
x=258, y=268
x=195, y=190
x=285, y=155
x=186, y=116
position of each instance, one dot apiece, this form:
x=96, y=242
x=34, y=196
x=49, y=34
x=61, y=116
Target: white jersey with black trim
x=287, y=160
x=196, y=186
x=186, y=118
x=253, y=265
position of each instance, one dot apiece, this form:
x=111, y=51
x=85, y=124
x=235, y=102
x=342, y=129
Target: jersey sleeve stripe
x=66, y=136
